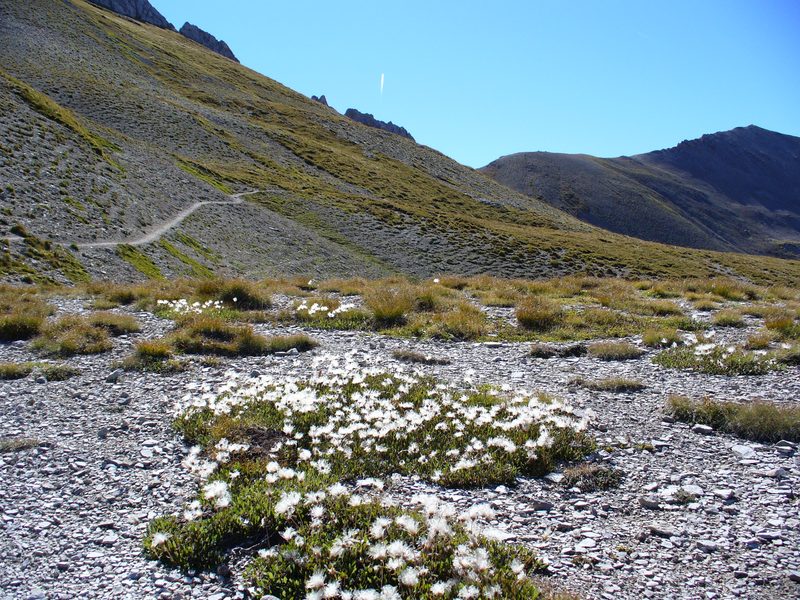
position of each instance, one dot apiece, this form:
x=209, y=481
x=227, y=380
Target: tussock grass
x=58, y=372
x=758, y=421
x=464, y=323
x=661, y=338
x=728, y=318
x=614, y=351
x=153, y=355
x=612, y=384
x=539, y=314
x=18, y=326
x=11, y=371
x=239, y=294
x=115, y=324
x=209, y=335
x=17, y=444
x=71, y=335
x=760, y=340
x=390, y=305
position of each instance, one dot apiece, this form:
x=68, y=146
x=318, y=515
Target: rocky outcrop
x=321, y=99
x=193, y=32
x=141, y=10
x=370, y=121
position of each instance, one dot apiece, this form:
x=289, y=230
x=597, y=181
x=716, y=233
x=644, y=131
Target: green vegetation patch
x=713, y=359
x=196, y=268
x=71, y=335
x=139, y=261
x=758, y=421
x=282, y=450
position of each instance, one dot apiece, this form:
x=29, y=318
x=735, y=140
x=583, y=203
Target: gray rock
x=707, y=545
x=141, y=10
x=114, y=376
x=194, y=33
x=370, y=121
x=650, y=502
x=703, y=429
x=743, y=451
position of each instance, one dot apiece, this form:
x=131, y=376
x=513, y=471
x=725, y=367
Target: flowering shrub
x=273, y=453
x=183, y=307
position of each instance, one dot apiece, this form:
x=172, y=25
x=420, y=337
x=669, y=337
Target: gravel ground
x=73, y=509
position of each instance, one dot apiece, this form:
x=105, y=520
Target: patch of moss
x=139, y=261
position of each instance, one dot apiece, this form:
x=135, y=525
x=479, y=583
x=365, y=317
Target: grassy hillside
x=735, y=190
x=112, y=127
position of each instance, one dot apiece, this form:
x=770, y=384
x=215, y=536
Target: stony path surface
x=73, y=509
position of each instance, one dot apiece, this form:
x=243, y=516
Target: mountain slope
x=112, y=127
x=734, y=190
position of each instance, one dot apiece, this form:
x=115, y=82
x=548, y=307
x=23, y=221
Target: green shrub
x=10, y=370
x=614, y=351
x=757, y=421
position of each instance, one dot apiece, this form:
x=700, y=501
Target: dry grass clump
x=11, y=371
x=464, y=323
x=660, y=308
x=612, y=384
x=208, y=335
x=705, y=305
x=153, y=355
x=345, y=287
x=58, y=372
x=18, y=444
x=19, y=326
x=758, y=421
x=71, y=335
x=235, y=293
x=661, y=338
x=614, y=351
x=22, y=313
x=728, y=318
x=410, y=356
x=590, y=477
x=389, y=305
x=115, y=324
x=785, y=326
x=760, y=340
x=539, y=314
x=552, y=351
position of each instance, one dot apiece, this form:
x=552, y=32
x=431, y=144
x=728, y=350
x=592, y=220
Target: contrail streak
x=381, y=84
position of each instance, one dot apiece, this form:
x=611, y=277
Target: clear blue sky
x=477, y=79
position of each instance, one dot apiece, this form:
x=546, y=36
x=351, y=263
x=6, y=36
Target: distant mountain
x=735, y=190
x=128, y=152
x=370, y=121
x=141, y=10
x=193, y=32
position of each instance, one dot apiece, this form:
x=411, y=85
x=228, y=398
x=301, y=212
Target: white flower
x=366, y=595
x=378, y=528
x=193, y=511
x=316, y=581
x=389, y=592
x=469, y=592
x=407, y=523
x=331, y=590
x=409, y=577
x=287, y=503
x=288, y=533
x=440, y=588
x=217, y=492
x=159, y=538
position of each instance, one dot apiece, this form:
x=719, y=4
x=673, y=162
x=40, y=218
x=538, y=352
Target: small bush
x=15, y=327
x=53, y=372
x=613, y=384
x=410, y=356
x=9, y=371
x=17, y=444
x=390, y=306
x=115, y=324
x=539, y=314
x=757, y=421
x=728, y=318
x=71, y=335
x=464, y=323
x=661, y=338
x=717, y=360
x=590, y=477
x=614, y=351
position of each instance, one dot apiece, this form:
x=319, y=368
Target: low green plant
x=717, y=360
x=58, y=372
x=590, y=477
x=758, y=420
x=17, y=444
x=728, y=318
x=539, y=314
x=18, y=326
x=389, y=305
x=466, y=322
x=614, y=351
x=71, y=335
x=209, y=335
x=411, y=356
x=661, y=338
x=115, y=324
x=539, y=350
x=612, y=384
x=10, y=370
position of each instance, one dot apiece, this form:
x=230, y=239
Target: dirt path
x=158, y=231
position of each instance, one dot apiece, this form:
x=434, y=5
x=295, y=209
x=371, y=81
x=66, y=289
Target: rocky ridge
x=141, y=10
x=698, y=513
x=370, y=121
x=193, y=32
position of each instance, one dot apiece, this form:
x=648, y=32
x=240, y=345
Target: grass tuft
x=71, y=335
x=614, y=351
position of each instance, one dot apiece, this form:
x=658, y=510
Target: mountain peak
x=141, y=10
x=370, y=121
x=193, y=32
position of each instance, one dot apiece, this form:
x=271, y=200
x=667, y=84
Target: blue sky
x=477, y=80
